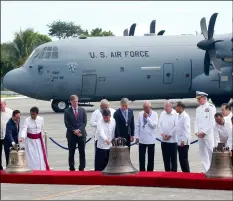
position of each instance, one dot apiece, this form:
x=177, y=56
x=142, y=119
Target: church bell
x=221, y=166
x=17, y=161
x=119, y=162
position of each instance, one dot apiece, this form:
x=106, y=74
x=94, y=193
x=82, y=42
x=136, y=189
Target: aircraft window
x=55, y=49
x=41, y=55
x=32, y=53
x=54, y=55
x=44, y=48
x=47, y=55
x=49, y=49
x=36, y=55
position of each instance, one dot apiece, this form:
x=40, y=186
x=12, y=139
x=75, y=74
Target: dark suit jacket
x=72, y=124
x=121, y=129
x=12, y=133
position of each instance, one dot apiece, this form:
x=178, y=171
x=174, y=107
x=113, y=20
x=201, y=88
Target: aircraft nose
x=11, y=79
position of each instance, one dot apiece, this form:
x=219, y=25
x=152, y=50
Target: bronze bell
x=221, y=166
x=119, y=162
x=17, y=161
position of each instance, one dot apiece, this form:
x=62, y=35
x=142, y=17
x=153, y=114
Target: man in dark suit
x=12, y=133
x=124, y=122
x=75, y=121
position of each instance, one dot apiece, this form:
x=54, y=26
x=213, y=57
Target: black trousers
x=72, y=144
x=183, y=158
x=95, y=154
x=96, y=145
x=142, y=156
x=169, y=152
x=102, y=156
x=7, y=152
x=1, y=147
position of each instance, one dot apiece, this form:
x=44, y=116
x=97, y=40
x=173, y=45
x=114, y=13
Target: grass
x=9, y=96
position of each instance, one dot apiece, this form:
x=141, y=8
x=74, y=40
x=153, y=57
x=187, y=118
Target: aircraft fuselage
x=149, y=67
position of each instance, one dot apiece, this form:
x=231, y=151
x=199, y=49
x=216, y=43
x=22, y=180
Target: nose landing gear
x=59, y=106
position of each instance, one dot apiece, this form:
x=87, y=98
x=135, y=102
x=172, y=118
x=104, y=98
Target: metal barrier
x=46, y=145
x=46, y=142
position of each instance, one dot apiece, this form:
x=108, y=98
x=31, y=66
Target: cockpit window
x=49, y=49
x=34, y=54
x=49, y=53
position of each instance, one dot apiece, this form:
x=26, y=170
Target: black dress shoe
x=72, y=169
x=81, y=169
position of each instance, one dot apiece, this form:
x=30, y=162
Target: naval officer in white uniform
x=204, y=125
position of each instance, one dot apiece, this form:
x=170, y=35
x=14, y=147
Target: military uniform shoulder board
x=211, y=105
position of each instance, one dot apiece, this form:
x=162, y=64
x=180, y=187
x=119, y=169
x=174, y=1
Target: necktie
x=76, y=113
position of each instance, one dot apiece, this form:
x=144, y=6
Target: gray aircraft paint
x=168, y=67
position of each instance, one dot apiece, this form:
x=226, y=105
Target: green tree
x=64, y=30
x=99, y=32
x=15, y=53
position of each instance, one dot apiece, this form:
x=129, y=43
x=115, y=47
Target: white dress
x=34, y=146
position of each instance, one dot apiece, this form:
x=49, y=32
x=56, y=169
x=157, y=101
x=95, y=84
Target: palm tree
x=24, y=43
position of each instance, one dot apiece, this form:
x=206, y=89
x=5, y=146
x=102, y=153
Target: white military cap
x=200, y=94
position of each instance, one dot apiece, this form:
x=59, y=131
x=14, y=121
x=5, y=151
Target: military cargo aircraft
x=138, y=67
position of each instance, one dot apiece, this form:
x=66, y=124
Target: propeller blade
x=132, y=29
x=204, y=28
x=207, y=63
x=125, y=33
x=213, y=60
x=211, y=25
x=152, y=26
x=161, y=33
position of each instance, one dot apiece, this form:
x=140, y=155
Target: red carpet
x=148, y=179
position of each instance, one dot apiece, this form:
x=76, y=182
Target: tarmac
x=58, y=159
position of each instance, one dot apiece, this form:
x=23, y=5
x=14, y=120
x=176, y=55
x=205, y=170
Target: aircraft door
x=168, y=71
x=88, y=86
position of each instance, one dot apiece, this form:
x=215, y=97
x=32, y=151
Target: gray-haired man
x=97, y=116
x=6, y=114
x=124, y=118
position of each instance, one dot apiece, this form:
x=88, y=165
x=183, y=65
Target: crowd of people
x=174, y=127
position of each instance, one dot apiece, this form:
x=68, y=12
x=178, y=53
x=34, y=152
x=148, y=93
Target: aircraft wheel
x=217, y=101
x=59, y=105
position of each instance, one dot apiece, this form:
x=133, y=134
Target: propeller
x=152, y=28
x=125, y=33
x=132, y=29
x=209, y=44
x=161, y=33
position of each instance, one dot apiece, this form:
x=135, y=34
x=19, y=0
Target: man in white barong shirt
x=183, y=134
x=145, y=136
x=6, y=114
x=97, y=115
x=226, y=112
x=222, y=131
x=167, y=125
x=105, y=132
x=32, y=132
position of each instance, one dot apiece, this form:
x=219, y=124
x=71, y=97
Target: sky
x=175, y=17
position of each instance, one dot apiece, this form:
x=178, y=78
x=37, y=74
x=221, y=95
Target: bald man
x=6, y=114
x=145, y=136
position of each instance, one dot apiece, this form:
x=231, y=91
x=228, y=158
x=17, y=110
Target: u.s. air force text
x=119, y=54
